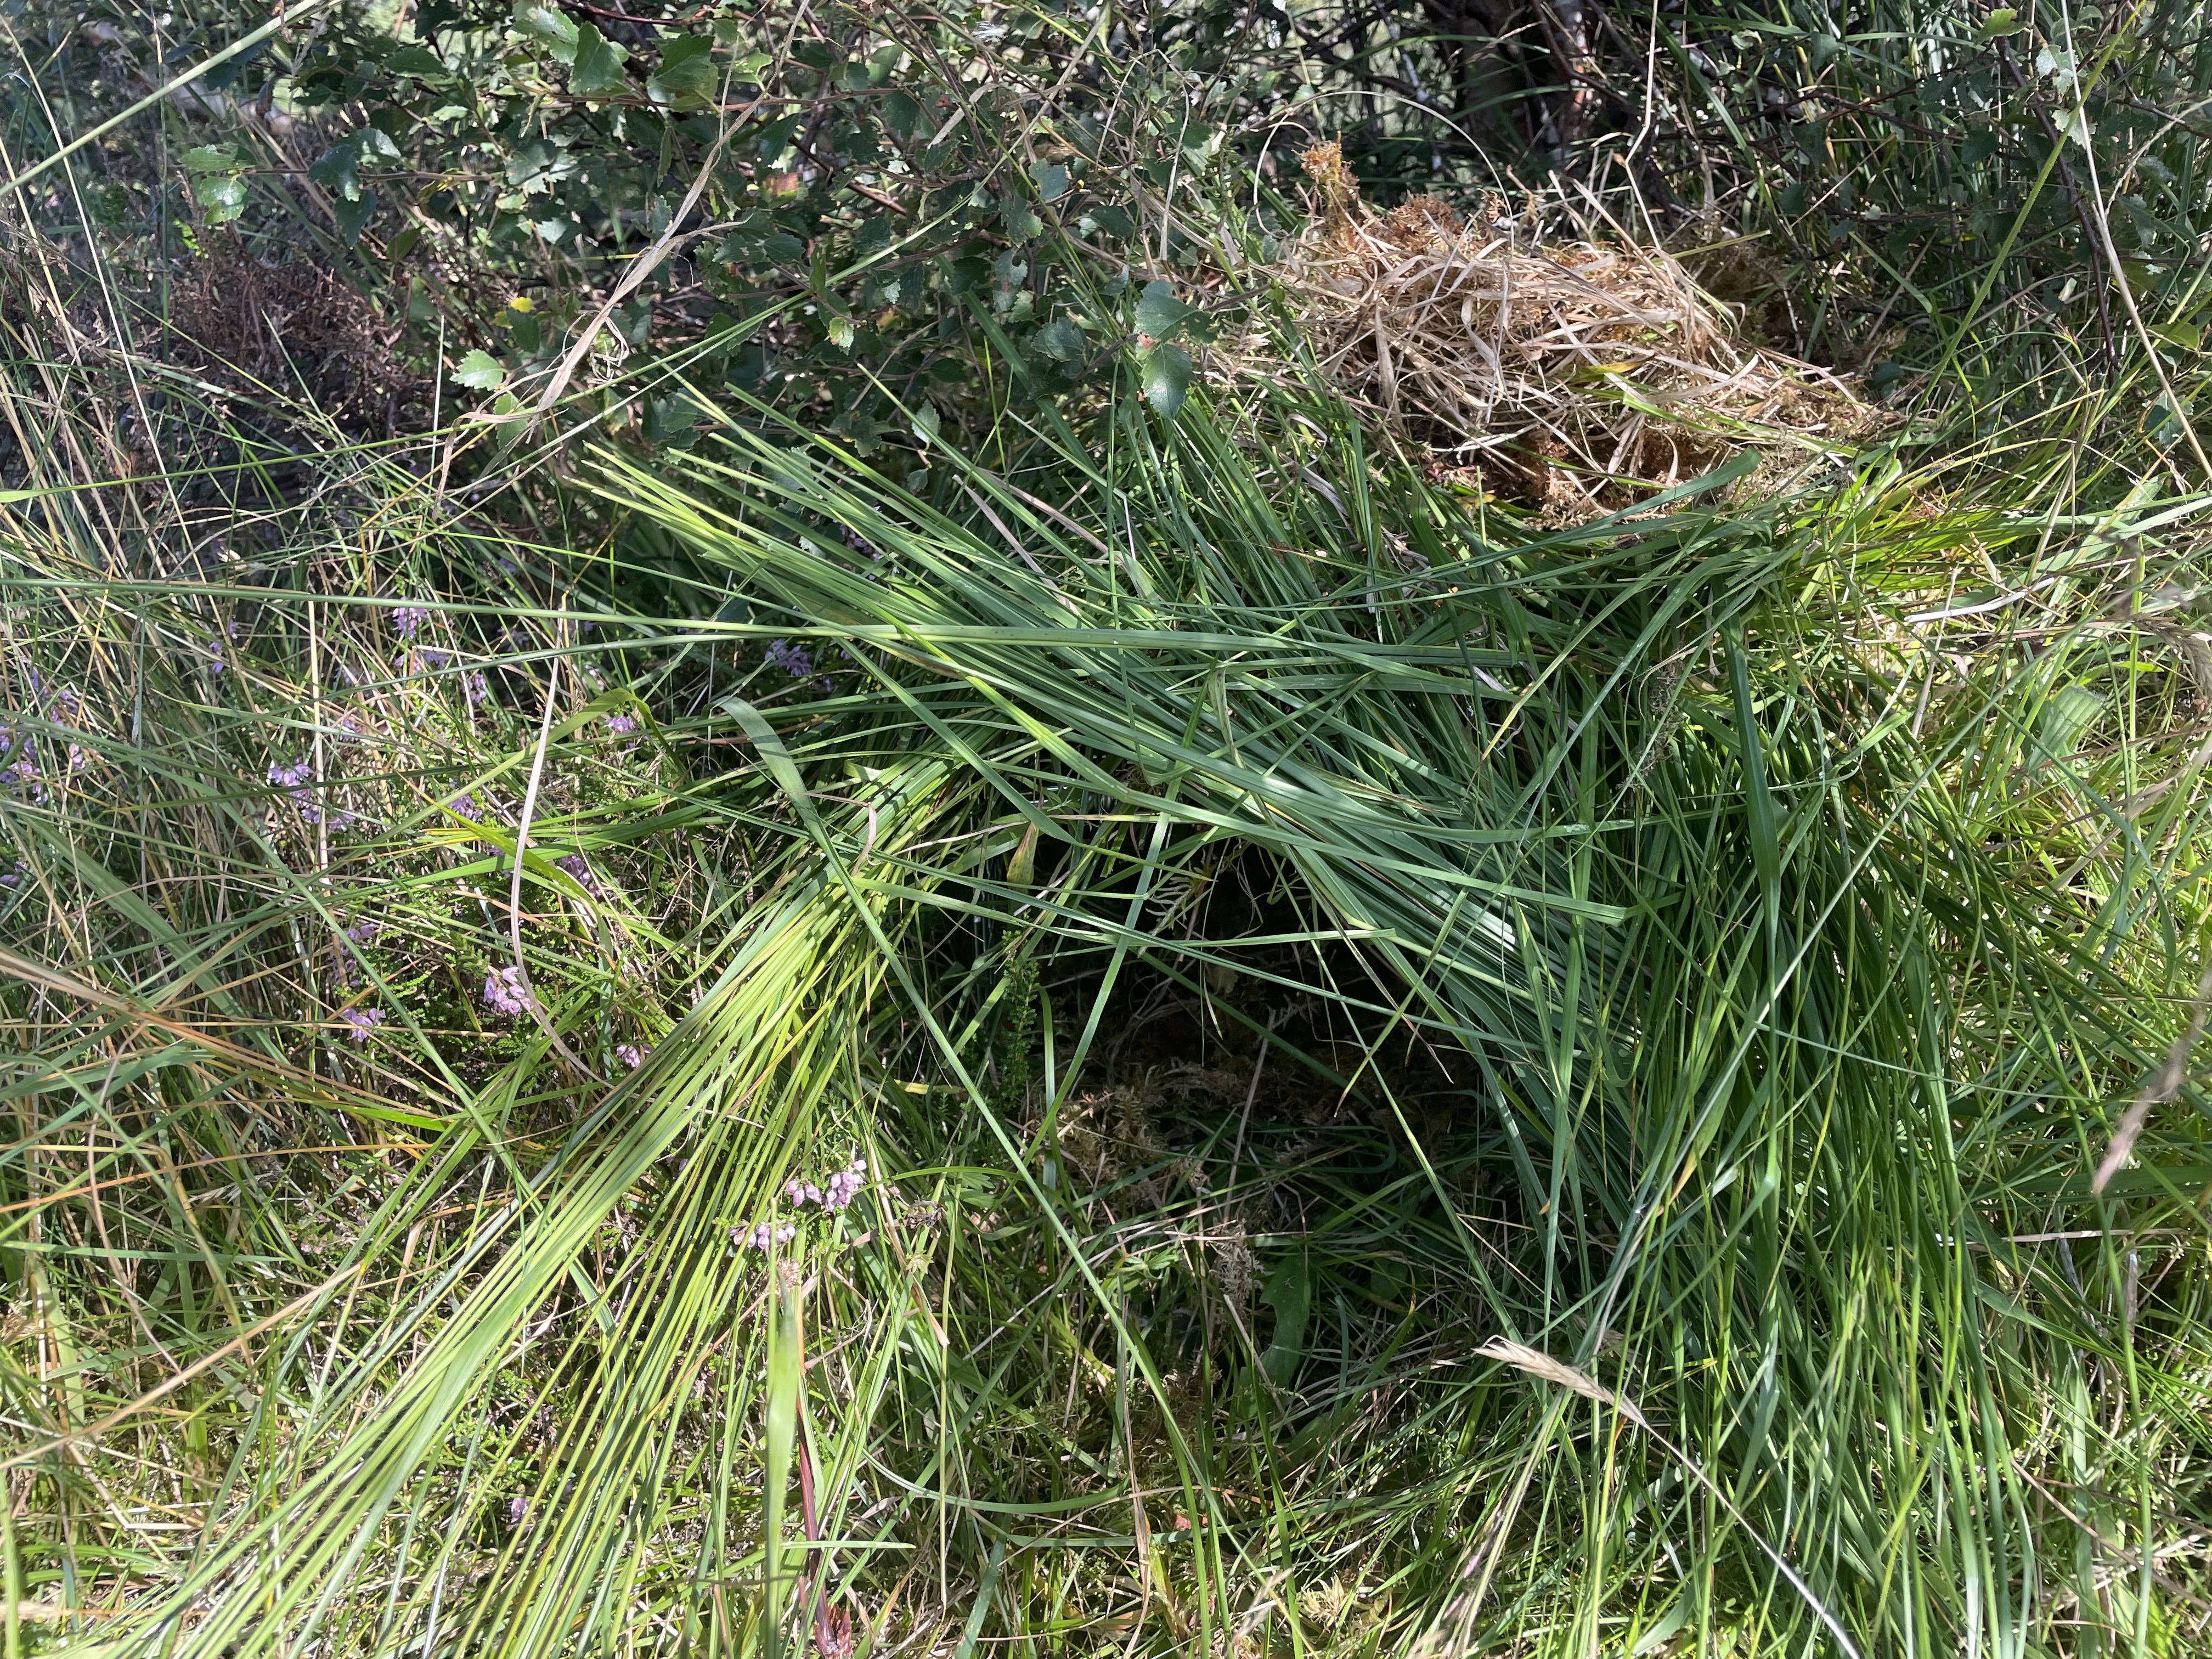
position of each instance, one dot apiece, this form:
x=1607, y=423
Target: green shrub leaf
x=1061, y=339
x=551, y=29
x=221, y=197
x=1167, y=378
x=1051, y=180
x=353, y=216
x=599, y=65
x=686, y=71
x=1019, y=221
x=1160, y=315
x=480, y=372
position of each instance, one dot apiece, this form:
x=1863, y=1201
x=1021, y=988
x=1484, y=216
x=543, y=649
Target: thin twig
x=515, y=884
x=2164, y=1084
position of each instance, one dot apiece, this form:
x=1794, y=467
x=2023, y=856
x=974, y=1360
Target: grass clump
x=1139, y=1028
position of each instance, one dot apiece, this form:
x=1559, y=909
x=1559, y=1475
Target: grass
x=1426, y=1084
x=1295, y=935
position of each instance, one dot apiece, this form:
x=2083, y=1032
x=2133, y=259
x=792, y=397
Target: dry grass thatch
x=1571, y=376
x=292, y=330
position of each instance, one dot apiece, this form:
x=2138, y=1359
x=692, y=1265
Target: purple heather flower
x=506, y=992
x=765, y=1234
x=791, y=658
x=363, y=1021
x=406, y=619
x=573, y=865
x=24, y=776
x=293, y=780
x=64, y=704
x=631, y=1056
x=844, y=1186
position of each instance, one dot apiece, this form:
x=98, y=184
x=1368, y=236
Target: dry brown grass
x=1575, y=375
x=294, y=330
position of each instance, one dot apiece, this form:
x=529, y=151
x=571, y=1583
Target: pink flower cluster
x=23, y=773
x=406, y=619
x=363, y=1021
x=765, y=1234
x=844, y=1186
x=631, y=1056
x=506, y=992
x=294, y=780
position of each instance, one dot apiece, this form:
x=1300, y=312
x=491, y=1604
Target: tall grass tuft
x=1200, y=1045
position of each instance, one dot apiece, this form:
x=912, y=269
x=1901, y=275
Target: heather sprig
x=506, y=991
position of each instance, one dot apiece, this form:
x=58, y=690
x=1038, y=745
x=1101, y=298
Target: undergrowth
x=1160, y=1034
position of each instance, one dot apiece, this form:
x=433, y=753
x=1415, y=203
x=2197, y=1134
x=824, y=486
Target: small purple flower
x=844, y=1186
x=620, y=725
x=518, y=1507
x=573, y=865
x=216, y=663
x=24, y=776
x=62, y=705
x=79, y=757
x=791, y=658
x=363, y=1021
x=765, y=1234
x=13, y=876
x=465, y=804
x=408, y=619
x=293, y=780
x=365, y=931
x=506, y=992
x=631, y=1056
x=474, y=689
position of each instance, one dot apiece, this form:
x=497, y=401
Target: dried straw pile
x=1576, y=377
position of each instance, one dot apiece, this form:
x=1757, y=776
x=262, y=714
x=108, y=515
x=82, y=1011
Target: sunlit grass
x=1264, y=942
